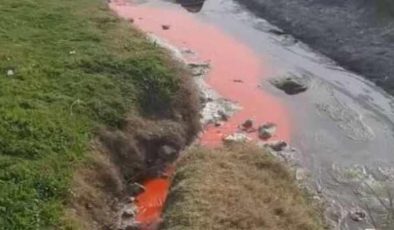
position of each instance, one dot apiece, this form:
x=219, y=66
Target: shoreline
x=184, y=33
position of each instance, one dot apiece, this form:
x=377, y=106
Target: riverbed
x=341, y=128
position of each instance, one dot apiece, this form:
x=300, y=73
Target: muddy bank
x=357, y=34
x=105, y=190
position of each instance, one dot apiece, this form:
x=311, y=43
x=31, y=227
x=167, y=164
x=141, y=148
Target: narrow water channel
x=343, y=126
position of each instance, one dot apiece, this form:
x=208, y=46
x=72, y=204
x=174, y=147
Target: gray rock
x=248, y=124
x=267, y=130
x=236, y=138
x=290, y=85
x=199, y=69
x=277, y=145
x=223, y=115
x=357, y=214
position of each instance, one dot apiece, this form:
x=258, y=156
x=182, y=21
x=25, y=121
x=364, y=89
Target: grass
x=238, y=187
x=75, y=67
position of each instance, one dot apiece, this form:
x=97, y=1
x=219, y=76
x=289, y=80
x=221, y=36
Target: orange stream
x=229, y=60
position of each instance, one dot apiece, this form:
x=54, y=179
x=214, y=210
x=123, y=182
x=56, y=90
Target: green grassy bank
x=66, y=68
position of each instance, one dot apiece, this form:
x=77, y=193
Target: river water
x=342, y=126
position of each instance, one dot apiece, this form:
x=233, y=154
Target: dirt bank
x=237, y=187
x=357, y=34
x=104, y=187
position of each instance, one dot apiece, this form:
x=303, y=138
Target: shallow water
x=343, y=125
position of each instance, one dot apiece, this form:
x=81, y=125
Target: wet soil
x=357, y=34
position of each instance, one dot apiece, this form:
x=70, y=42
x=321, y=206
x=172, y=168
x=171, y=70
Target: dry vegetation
x=238, y=187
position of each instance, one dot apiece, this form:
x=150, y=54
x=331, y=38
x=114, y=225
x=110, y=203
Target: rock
x=357, y=214
x=168, y=153
x=128, y=213
x=223, y=115
x=165, y=27
x=276, y=31
x=290, y=85
x=267, y=130
x=236, y=138
x=199, y=69
x=248, y=124
x=10, y=73
x=135, y=188
x=131, y=20
x=276, y=145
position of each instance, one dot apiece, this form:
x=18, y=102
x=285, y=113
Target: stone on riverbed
x=267, y=130
x=290, y=85
x=276, y=145
x=165, y=27
x=236, y=138
x=357, y=214
x=248, y=124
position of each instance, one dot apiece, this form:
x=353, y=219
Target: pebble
x=165, y=27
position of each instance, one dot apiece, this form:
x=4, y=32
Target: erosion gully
x=343, y=126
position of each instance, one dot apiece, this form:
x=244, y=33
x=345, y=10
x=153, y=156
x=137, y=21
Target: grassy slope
x=237, y=188
x=76, y=67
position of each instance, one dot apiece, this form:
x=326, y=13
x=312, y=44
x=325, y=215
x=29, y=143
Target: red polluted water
x=151, y=202
x=230, y=60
